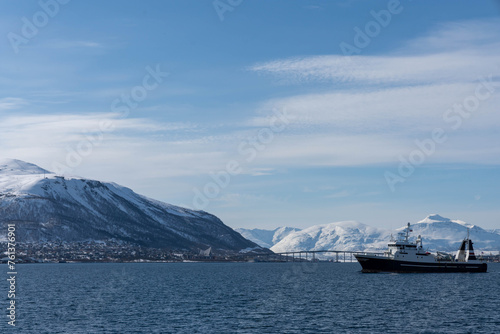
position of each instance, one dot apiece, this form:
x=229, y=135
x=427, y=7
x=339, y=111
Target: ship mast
x=407, y=232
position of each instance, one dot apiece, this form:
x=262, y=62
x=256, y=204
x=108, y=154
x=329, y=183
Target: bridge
x=299, y=256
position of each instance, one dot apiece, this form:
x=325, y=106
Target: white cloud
x=468, y=35
x=373, y=112
x=433, y=68
x=70, y=123
x=71, y=44
x=9, y=103
x=394, y=108
x=377, y=106
x=456, y=52
x=34, y=137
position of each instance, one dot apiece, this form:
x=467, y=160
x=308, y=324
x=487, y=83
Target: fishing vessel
x=404, y=255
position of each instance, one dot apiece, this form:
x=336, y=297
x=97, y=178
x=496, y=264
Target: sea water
x=248, y=298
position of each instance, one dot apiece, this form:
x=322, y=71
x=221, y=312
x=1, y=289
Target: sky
x=264, y=113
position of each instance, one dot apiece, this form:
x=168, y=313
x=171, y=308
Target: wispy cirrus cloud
x=73, y=124
x=459, y=35
x=374, y=110
x=457, y=51
x=369, y=109
x=72, y=44
x=390, y=110
x=376, y=70
x=52, y=135
x=9, y=103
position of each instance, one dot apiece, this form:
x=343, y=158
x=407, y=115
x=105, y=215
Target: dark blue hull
x=374, y=265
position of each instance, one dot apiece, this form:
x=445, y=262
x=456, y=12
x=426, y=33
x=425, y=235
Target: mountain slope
x=348, y=235
x=55, y=208
x=438, y=233
x=496, y=231
x=441, y=233
x=266, y=238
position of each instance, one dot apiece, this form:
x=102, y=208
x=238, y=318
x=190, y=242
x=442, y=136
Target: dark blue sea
x=249, y=298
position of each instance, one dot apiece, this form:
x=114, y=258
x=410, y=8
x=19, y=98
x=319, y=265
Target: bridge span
x=328, y=254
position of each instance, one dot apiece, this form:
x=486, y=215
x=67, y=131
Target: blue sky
x=322, y=112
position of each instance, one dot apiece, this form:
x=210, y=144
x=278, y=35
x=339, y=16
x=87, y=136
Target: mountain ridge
x=48, y=207
x=438, y=233
x=266, y=238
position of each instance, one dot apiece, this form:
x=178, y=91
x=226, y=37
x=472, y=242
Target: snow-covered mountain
x=441, y=233
x=347, y=235
x=47, y=207
x=496, y=231
x=266, y=238
x=438, y=233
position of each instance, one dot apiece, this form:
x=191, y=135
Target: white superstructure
x=404, y=249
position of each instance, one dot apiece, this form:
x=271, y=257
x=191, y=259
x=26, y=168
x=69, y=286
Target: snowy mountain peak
x=19, y=167
x=55, y=208
x=345, y=235
x=436, y=217
x=267, y=238
x=438, y=233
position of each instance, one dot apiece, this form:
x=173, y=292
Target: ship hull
x=372, y=264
